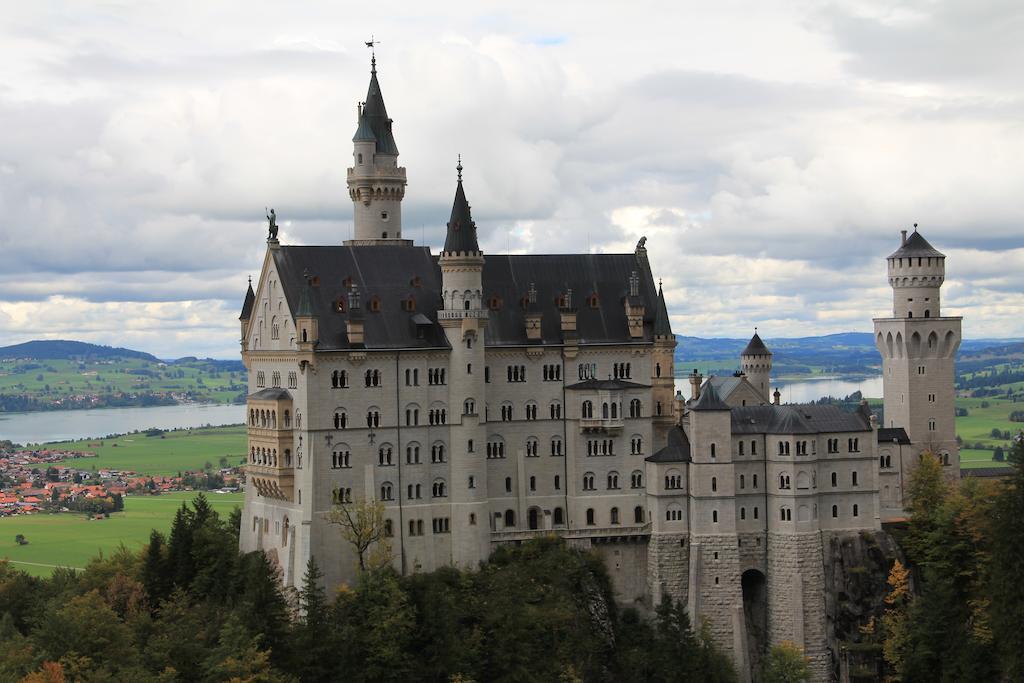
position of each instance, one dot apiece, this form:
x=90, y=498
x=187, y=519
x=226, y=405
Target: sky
x=770, y=152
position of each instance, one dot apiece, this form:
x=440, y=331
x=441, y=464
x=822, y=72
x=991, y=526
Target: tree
x=895, y=620
x=1007, y=590
x=362, y=526
x=20, y=539
x=786, y=663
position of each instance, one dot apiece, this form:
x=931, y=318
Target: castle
x=489, y=399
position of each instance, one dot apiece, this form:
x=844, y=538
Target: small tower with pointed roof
x=663, y=370
x=756, y=363
x=376, y=183
x=464, y=318
x=250, y=299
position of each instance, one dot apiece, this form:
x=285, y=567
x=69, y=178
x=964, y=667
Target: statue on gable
x=272, y=225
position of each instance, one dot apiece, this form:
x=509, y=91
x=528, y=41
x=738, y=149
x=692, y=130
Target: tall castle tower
x=918, y=346
x=756, y=363
x=376, y=183
x=464, y=318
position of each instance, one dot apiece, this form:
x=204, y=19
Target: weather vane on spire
x=373, y=53
x=459, y=168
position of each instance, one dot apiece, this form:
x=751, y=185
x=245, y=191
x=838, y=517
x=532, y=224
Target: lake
x=63, y=425
x=808, y=390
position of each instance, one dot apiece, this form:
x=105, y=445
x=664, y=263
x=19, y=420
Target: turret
x=376, y=183
x=756, y=363
x=916, y=272
x=250, y=299
x=663, y=371
x=307, y=326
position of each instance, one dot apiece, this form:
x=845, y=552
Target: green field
x=977, y=426
x=56, y=379
x=177, y=451
x=70, y=540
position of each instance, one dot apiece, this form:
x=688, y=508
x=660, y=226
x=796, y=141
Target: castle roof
x=756, y=347
x=916, y=246
x=305, y=308
x=270, y=394
x=250, y=299
x=797, y=419
x=461, y=235
x=606, y=385
x=725, y=385
x=394, y=275
x=676, y=450
x=376, y=118
x=662, y=325
x=709, y=399
x=893, y=435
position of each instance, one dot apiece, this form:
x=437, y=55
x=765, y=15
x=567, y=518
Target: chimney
x=903, y=237
x=696, y=379
x=777, y=397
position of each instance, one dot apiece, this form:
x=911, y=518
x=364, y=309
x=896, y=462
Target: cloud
x=770, y=153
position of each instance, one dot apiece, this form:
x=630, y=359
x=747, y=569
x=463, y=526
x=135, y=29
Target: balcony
x=602, y=425
x=271, y=482
x=459, y=314
x=623, y=531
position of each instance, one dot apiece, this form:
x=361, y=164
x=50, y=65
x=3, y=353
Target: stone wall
x=716, y=591
x=796, y=601
x=626, y=564
x=668, y=560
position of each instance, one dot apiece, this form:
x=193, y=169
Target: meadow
x=169, y=454
x=70, y=540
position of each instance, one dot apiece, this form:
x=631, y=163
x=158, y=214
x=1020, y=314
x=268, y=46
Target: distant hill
x=842, y=353
x=70, y=350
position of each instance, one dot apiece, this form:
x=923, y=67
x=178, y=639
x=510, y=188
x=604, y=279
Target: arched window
x=439, y=489
x=558, y=517
x=615, y=515
x=590, y=517
x=636, y=479
x=386, y=491
x=510, y=518
x=856, y=510
x=587, y=410
x=714, y=516
x=588, y=481
x=712, y=450
x=638, y=515
x=613, y=480
x=714, y=483
x=835, y=511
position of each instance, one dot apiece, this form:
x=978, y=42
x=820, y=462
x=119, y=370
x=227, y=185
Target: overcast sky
x=770, y=152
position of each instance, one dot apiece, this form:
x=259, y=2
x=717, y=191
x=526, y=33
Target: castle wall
x=796, y=604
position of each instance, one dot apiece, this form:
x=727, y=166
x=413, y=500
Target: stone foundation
x=668, y=560
x=796, y=598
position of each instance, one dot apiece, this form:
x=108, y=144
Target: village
x=41, y=480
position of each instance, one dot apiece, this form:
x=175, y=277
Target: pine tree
x=155, y=570
x=179, y=548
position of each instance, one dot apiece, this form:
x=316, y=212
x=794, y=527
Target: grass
x=186, y=449
x=53, y=379
x=71, y=540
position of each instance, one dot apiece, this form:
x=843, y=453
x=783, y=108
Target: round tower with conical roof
x=916, y=273
x=756, y=364
x=376, y=183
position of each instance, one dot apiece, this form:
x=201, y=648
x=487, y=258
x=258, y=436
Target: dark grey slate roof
x=662, y=325
x=250, y=299
x=461, y=235
x=676, y=450
x=724, y=385
x=987, y=472
x=305, y=308
x=709, y=399
x=756, y=347
x=270, y=394
x=916, y=245
x=890, y=434
x=364, y=131
x=508, y=277
x=606, y=385
x=377, y=116
x=797, y=419
x=388, y=272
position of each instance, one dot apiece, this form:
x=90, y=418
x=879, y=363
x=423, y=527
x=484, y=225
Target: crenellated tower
x=376, y=183
x=464, y=319
x=918, y=347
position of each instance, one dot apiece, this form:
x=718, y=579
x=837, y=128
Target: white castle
x=492, y=399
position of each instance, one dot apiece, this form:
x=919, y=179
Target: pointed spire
x=709, y=399
x=461, y=228
x=662, y=325
x=250, y=299
x=376, y=116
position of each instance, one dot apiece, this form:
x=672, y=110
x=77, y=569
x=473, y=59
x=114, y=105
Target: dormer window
x=340, y=306
x=409, y=304
x=592, y=300
x=375, y=304
x=495, y=303
x=416, y=282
